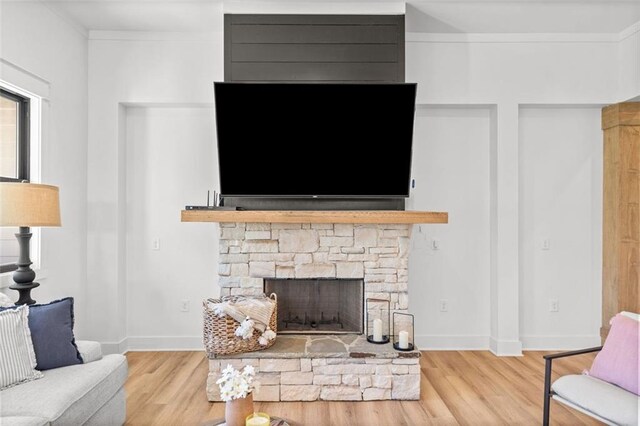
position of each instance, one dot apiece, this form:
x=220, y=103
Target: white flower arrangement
x=235, y=384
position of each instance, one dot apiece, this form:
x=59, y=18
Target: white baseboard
x=505, y=347
x=114, y=347
x=165, y=343
x=428, y=342
x=560, y=343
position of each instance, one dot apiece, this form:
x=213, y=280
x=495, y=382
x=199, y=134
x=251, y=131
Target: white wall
x=486, y=170
x=629, y=63
x=170, y=159
x=135, y=292
x=508, y=74
x=497, y=70
x=474, y=158
x=39, y=49
x=560, y=201
x=451, y=150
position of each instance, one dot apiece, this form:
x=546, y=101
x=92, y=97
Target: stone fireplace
x=302, y=261
x=378, y=254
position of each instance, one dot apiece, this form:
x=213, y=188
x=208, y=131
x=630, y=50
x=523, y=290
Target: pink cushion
x=617, y=362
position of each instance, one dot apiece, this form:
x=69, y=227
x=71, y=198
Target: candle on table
x=404, y=340
x=377, y=330
x=258, y=420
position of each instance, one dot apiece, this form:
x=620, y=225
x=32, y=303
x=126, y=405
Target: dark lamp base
x=23, y=276
x=25, y=293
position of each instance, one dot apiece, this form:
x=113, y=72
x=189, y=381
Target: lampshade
x=29, y=204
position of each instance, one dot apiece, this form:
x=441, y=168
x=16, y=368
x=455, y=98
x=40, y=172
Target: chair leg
x=547, y=392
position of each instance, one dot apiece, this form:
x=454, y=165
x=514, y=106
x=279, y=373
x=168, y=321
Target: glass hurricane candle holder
x=378, y=320
x=403, y=334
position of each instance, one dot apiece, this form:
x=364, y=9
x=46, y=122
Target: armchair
x=609, y=392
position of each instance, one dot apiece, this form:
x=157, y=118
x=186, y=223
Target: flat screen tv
x=315, y=140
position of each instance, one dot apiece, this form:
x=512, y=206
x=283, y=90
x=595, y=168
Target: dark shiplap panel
x=315, y=53
x=301, y=34
x=297, y=71
x=329, y=48
x=228, y=51
x=401, y=57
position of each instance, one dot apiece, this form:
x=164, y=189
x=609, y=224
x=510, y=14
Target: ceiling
x=176, y=16
x=444, y=16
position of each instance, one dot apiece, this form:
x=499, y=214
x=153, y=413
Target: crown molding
x=315, y=8
x=511, y=38
x=206, y=36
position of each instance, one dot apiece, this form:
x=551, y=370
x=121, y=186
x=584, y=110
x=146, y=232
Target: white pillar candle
x=377, y=330
x=404, y=340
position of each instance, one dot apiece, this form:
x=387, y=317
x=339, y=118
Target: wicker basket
x=219, y=333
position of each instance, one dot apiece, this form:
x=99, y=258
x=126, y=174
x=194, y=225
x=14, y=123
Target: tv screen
x=315, y=140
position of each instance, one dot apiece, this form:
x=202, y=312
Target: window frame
x=23, y=149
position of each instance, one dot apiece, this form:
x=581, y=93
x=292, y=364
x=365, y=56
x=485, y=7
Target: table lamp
x=27, y=205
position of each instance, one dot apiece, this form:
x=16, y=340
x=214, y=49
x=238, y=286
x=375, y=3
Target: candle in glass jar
x=404, y=340
x=258, y=419
x=377, y=330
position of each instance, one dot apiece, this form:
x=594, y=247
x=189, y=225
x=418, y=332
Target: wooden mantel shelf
x=314, y=216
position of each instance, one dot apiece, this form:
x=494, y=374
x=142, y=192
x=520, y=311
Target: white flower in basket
x=235, y=384
x=245, y=330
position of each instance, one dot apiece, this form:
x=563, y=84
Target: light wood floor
x=466, y=388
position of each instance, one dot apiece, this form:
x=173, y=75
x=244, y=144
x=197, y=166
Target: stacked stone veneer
x=376, y=253
x=333, y=379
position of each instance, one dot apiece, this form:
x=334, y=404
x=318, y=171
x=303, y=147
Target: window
x=14, y=162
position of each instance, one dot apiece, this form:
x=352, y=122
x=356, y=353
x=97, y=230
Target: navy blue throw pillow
x=51, y=328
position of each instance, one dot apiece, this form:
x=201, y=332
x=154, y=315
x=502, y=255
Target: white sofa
x=91, y=393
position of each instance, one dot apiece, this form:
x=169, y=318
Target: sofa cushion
x=90, y=351
x=113, y=413
x=23, y=421
x=17, y=357
x=68, y=395
x=603, y=399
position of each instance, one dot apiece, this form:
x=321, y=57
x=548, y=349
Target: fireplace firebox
x=318, y=306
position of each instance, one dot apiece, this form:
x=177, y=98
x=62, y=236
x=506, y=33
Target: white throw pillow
x=5, y=301
x=17, y=357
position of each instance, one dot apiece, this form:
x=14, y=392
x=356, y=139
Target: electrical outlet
x=155, y=244
x=185, y=305
x=546, y=243
x=554, y=306
x=444, y=305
